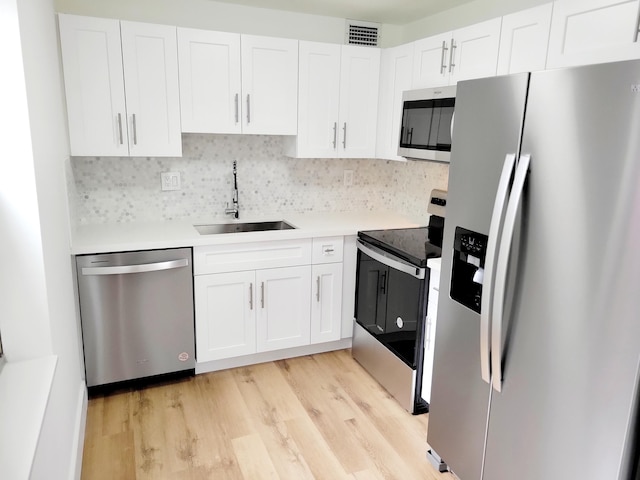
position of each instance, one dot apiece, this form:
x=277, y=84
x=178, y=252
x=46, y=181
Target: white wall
x=38, y=317
x=468, y=14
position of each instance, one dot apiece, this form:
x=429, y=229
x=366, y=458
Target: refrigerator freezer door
x=571, y=346
x=489, y=116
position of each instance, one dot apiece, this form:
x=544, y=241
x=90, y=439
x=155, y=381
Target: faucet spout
x=235, y=210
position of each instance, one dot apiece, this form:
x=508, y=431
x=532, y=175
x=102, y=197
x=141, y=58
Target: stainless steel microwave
x=427, y=123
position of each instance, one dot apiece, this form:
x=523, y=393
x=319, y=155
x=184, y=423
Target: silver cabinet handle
x=443, y=65
x=135, y=130
x=453, y=47
x=120, y=128
x=344, y=139
x=248, y=108
x=329, y=250
x=501, y=269
x=335, y=134
x=237, y=109
x=318, y=289
x=251, y=296
x=495, y=230
x=262, y=294
x=142, y=268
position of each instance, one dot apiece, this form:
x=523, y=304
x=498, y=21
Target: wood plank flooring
x=314, y=417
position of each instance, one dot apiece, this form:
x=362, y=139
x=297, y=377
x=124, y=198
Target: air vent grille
x=362, y=33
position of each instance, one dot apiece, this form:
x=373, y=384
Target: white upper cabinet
x=269, y=85
x=431, y=59
x=359, y=77
x=232, y=83
x=94, y=84
x=150, y=58
x=396, y=66
x=470, y=52
x=210, y=81
x=338, y=101
x=524, y=40
x=103, y=66
x=593, y=31
x=318, y=100
x=475, y=51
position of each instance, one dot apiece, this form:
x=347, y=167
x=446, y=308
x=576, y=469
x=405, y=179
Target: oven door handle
x=391, y=262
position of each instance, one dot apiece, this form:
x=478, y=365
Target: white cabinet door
x=94, y=84
x=445, y=59
x=475, y=51
x=338, y=102
x=318, y=99
x=396, y=66
x=210, y=86
x=359, y=77
x=326, y=302
x=269, y=85
x=150, y=59
x=431, y=58
x=283, y=307
x=524, y=39
x=593, y=31
x=225, y=315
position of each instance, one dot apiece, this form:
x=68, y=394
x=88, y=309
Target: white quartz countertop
x=120, y=237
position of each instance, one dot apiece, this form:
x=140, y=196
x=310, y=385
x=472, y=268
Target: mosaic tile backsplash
x=109, y=189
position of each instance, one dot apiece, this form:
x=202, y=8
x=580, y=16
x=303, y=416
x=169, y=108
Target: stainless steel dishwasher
x=136, y=311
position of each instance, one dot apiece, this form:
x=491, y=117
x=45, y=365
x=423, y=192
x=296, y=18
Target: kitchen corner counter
x=120, y=237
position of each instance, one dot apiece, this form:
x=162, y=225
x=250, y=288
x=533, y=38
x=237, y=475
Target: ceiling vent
x=362, y=33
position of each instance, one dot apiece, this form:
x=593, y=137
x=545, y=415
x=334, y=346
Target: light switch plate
x=170, y=180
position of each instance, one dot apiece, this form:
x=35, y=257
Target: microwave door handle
x=502, y=266
x=411, y=136
x=495, y=229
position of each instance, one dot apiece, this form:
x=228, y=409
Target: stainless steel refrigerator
x=537, y=349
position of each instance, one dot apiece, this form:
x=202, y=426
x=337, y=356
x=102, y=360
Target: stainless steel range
x=391, y=303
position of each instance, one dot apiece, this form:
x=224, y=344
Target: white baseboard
x=80, y=427
x=215, y=365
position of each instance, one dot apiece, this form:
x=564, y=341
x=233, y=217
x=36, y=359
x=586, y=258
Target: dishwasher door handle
x=142, y=268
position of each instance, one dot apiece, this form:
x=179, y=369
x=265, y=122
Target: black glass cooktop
x=414, y=245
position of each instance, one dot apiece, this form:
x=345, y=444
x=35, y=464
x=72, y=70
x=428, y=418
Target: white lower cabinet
x=225, y=315
x=283, y=308
x=326, y=302
x=267, y=296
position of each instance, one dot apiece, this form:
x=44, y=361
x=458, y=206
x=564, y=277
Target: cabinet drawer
x=327, y=249
x=251, y=256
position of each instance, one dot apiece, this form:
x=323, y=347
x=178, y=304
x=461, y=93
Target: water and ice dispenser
x=469, y=252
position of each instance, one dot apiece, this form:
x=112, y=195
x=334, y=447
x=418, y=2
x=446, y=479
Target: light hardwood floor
x=313, y=417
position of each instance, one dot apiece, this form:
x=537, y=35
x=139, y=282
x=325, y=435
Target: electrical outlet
x=348, y=178
x=170, y=180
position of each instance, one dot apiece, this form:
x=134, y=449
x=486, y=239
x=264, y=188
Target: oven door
x=390, y=301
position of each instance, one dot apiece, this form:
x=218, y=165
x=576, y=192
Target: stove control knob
x=399, y=322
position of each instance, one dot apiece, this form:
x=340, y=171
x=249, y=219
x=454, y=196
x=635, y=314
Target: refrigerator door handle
x=502, y=265
x=495, y=230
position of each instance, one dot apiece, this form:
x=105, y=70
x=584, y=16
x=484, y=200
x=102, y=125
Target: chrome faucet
x=235, y=210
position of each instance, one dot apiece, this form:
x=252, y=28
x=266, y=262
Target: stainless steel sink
x=216, y=228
